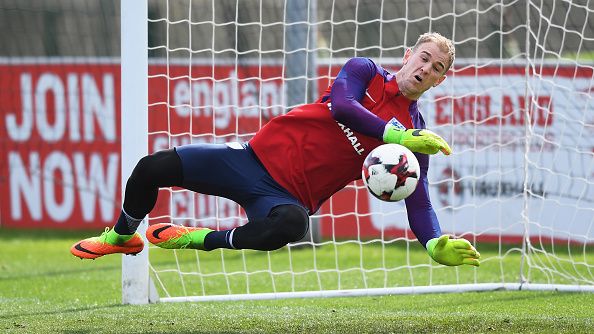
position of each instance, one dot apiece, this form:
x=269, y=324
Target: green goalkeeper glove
x=416, y=140
x=453, y=252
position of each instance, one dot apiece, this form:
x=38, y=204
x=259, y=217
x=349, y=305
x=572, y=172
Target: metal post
x=134, y=130
x=300, y=65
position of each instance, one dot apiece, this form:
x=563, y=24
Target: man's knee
x=145, y=169
x=141, y=172
x=158, y=168
x=291, y=222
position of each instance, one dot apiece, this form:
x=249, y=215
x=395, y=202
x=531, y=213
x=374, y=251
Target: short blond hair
x=445, y=44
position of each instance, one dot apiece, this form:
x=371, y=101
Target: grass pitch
x=43, y=289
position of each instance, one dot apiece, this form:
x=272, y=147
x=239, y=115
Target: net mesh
x=515, y=107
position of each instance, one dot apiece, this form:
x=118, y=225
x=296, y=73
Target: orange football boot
x=172, y=236
x=109, y=242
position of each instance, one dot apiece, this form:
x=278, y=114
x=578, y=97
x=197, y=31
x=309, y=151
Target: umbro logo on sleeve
x=394, y=122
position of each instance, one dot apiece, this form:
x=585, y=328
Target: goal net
x=516, y=108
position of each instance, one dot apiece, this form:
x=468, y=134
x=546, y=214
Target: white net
x=517, y=109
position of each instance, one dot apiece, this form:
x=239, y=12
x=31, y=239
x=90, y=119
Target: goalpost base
x=452, y=288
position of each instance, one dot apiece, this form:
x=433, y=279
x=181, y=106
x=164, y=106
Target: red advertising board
x=60, y=144
x=60, y=137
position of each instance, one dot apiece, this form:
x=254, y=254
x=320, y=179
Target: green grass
x=43, y=289
x=583, y=56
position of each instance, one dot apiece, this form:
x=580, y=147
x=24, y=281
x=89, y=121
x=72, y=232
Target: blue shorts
x=232, y=171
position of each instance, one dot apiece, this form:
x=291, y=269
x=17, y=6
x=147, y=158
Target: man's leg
x=284, y=224
x=161, y=169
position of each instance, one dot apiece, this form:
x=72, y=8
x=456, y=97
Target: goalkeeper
x=296, y=162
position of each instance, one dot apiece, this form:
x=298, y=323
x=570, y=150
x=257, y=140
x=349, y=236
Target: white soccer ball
x=391, y=172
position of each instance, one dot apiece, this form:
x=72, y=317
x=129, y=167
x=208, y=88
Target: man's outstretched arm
x=424, y=224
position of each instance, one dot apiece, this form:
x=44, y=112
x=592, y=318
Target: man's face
x=422, y=69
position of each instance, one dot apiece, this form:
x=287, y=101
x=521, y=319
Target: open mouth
x=419, y=79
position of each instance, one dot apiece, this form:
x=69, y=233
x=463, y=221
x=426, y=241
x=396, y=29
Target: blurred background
x=345, y=28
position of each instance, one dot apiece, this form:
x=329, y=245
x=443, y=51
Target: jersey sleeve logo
x=394, y=122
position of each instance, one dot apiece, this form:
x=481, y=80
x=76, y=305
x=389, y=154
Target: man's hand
x=453, y=252
x=416, y=140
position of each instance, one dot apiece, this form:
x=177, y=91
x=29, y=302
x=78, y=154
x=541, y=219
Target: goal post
x=516, y=108
x=136, y=285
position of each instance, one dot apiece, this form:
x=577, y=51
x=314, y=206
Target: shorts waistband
x=248, y=148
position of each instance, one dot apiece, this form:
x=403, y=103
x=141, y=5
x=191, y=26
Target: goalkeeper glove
x=416, y=140
x=453, y=252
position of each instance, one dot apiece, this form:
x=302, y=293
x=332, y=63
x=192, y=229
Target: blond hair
x=445, y=44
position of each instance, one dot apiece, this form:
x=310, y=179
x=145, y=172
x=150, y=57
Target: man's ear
x=407, y=54
x=440, y=80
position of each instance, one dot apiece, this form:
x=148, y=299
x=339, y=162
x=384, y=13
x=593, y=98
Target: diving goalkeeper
x=296, y=162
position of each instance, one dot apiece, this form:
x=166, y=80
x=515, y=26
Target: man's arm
x=348, y=90
x=421, y=216
x=424, y=224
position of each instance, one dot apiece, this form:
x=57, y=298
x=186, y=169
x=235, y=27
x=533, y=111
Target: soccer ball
x=391, y=172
